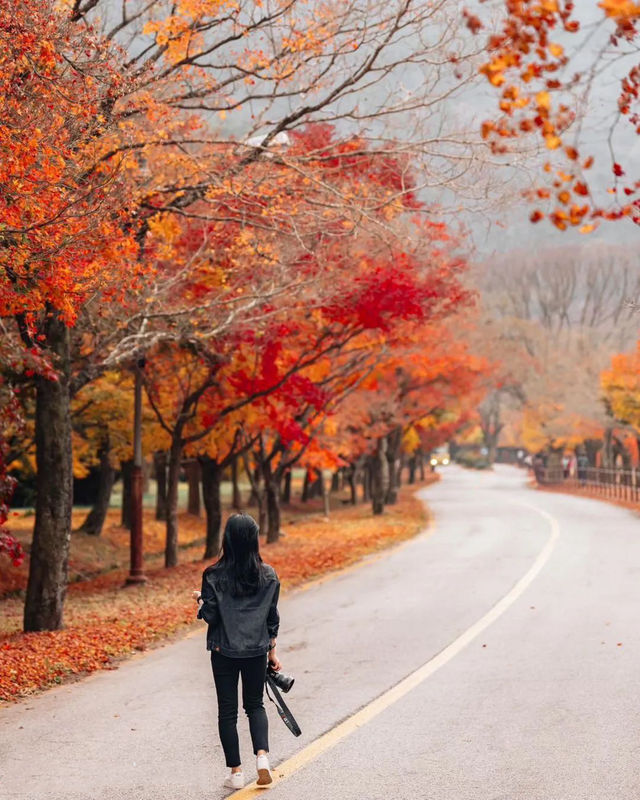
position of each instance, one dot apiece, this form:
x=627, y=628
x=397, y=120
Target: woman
x=239, y=601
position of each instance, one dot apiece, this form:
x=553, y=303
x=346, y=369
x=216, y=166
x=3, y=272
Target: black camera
x=282, y=681
x=279, y=681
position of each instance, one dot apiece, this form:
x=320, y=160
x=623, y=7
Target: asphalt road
x=532, y=601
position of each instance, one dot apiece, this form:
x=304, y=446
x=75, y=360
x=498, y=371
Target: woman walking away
x=239, y=601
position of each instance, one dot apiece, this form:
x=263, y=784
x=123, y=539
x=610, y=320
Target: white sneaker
x=235, y=781
x=264, y=771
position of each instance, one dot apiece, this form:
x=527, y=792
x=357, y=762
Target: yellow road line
x=391, y=696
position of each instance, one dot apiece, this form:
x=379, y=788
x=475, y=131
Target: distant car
x=439, y=459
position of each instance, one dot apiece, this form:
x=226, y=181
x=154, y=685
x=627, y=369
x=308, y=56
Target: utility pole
x=136, y=573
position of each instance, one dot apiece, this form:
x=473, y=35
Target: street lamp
x=136, y=573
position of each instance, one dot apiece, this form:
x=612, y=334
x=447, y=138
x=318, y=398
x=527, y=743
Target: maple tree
x=101, y=414
x=133, y=221
x=235, y=354
x=61, y=236
x=546, y=66
x=289, y=422
x=621, y=387
x=394, y=299
x=550, y=322
x=417, y=398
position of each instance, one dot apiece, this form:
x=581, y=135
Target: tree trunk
x=394, y=440
x=286, y=493
x=94, y=520
x=366, y=481
x=257, y=493
x=315, y=490
x=254, y=499
x=211, y=478
x=160, y=468
x=126, y=468
x=413, y=463
x=402, y=462
x=272, y=488
x=48, y=566
x=173, y=482
x=491, y=443
x=619, y=449
x=236, y=498
x=262, y=512
x=193, y=478
x=379, y=476
x=326, y=506
x=607, y=450
x=145, y=477
x=421, y=465
x=592, y=447
x=352, y=478
x=306, y=485
x=335, y=481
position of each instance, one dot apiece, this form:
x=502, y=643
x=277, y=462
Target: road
x=518, y=610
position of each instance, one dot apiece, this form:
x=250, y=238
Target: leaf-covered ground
x=104, y=621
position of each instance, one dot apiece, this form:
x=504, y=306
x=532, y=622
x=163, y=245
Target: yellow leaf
x=553, y=141
x=543, y=99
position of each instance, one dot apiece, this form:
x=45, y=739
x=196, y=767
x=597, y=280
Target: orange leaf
x=543, y=99
x=552, y=141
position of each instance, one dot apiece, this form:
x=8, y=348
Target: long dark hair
x=240, y=562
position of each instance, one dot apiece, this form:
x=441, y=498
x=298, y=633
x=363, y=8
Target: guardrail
x=616, y=484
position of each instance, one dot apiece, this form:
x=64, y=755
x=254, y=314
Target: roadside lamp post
x=136, y=573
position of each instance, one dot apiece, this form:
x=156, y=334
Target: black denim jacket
x=240, y=627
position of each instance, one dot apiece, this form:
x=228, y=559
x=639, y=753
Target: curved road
x=516, y=614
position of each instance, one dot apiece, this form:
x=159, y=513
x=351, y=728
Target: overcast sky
x=508, y=228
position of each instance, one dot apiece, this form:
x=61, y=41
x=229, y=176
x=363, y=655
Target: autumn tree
x=109, y=147
x=621, y=388
x=61, y=237
x=550, y=323
x=290, y=421
x=101, y=415
x=548, y=61
x=426, y=389
x=214, y=345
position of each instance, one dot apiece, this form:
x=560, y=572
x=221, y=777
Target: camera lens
x=282, y=681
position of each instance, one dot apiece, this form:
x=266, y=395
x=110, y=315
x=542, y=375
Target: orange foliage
x=537, y=86
x=621, y=387
x=60, y=215
x=304, y=262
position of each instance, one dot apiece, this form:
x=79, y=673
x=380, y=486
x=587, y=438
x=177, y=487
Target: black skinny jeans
x=225, y=674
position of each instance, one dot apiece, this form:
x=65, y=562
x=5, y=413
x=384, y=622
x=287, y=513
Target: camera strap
x=283, y=711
